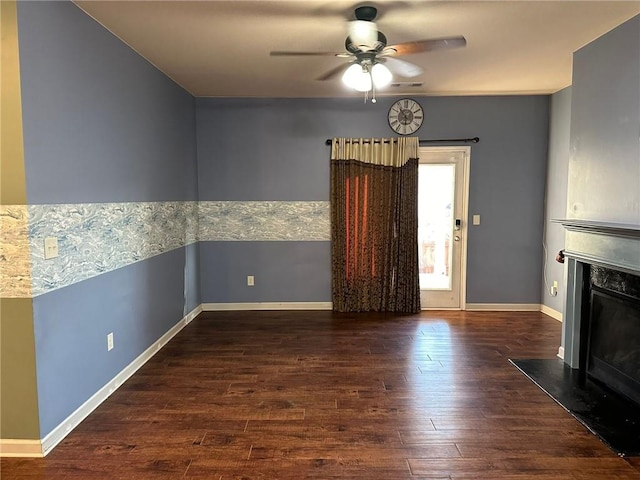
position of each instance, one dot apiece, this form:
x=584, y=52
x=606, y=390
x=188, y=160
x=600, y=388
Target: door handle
x=457, y=238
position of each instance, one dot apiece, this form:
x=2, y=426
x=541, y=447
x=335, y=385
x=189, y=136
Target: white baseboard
x=188, y=318
x=40, y=448
x=20, y=448
x=561, y=352
x=430, y=309
x=504, y=307
x=551, y=312
x=224, y=307
x=498, y=307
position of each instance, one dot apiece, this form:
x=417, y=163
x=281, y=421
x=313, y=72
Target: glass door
x=442, y=194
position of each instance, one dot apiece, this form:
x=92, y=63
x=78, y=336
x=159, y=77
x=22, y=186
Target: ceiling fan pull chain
x=373, y=89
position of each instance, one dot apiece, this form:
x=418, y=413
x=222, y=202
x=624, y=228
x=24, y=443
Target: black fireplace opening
x=612, y=336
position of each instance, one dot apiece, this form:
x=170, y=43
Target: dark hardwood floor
x=294, y=395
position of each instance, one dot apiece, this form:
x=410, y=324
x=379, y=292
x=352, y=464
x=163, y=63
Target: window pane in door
x=435, y=225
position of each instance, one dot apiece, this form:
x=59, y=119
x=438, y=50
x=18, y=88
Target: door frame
x=464, y=215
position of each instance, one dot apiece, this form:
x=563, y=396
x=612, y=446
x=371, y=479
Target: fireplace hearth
x=612, y=418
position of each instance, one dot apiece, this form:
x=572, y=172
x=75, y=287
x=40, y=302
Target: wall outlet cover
x=50, y=248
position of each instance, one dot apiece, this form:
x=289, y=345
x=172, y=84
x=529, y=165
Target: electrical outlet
x=110, y=342
x=250, y=280
x=554, y=289
x=50, y=248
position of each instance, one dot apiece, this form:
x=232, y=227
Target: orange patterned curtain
x=374, y=225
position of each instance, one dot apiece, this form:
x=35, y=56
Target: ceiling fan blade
x=403, y=68
x=420, y=46
x=309, y=54
x=334, y=72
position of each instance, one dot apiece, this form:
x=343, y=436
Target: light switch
x=476, y=219
x=50, y=248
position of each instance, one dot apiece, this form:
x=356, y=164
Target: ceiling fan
x=371, y=59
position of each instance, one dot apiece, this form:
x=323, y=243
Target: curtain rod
x=438, y=140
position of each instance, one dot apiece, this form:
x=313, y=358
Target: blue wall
x=556, y=196
x=594, y=148
x=101, y=125
x=273, y=149
x=139, y=303
x=604, y=166
x=284, y=271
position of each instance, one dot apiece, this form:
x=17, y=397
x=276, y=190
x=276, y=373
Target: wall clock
x=405, y=116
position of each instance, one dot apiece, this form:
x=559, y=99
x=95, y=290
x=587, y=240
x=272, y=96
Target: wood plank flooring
x=294, y=395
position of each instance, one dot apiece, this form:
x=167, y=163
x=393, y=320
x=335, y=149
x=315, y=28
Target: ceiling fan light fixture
x=357, y=77
x=381, y=75
x=363, y=34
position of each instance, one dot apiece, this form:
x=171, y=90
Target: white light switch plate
x=50, y=248
x=476, y=219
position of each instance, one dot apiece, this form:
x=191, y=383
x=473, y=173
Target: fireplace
x=610, y=251
x=598, y=378
x=611, y=337
x=603, y=261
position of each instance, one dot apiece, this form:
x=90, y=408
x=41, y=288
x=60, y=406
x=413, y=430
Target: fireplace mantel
x=607, y=228
x=611, y=245
x=615, y=245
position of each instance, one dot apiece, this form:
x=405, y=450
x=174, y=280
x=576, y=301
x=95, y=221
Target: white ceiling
x=221, y=48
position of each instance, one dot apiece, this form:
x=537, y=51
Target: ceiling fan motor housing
x=366, y=12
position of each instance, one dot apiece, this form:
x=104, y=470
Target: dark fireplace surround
x=610, y=340
x=601, y=325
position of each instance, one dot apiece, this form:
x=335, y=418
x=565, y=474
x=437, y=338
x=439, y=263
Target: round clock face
x=405, y=116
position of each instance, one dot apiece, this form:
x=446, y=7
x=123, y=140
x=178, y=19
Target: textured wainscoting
x=95, y=238
x=15, y=272
x=98, y=238
x=263, y=221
